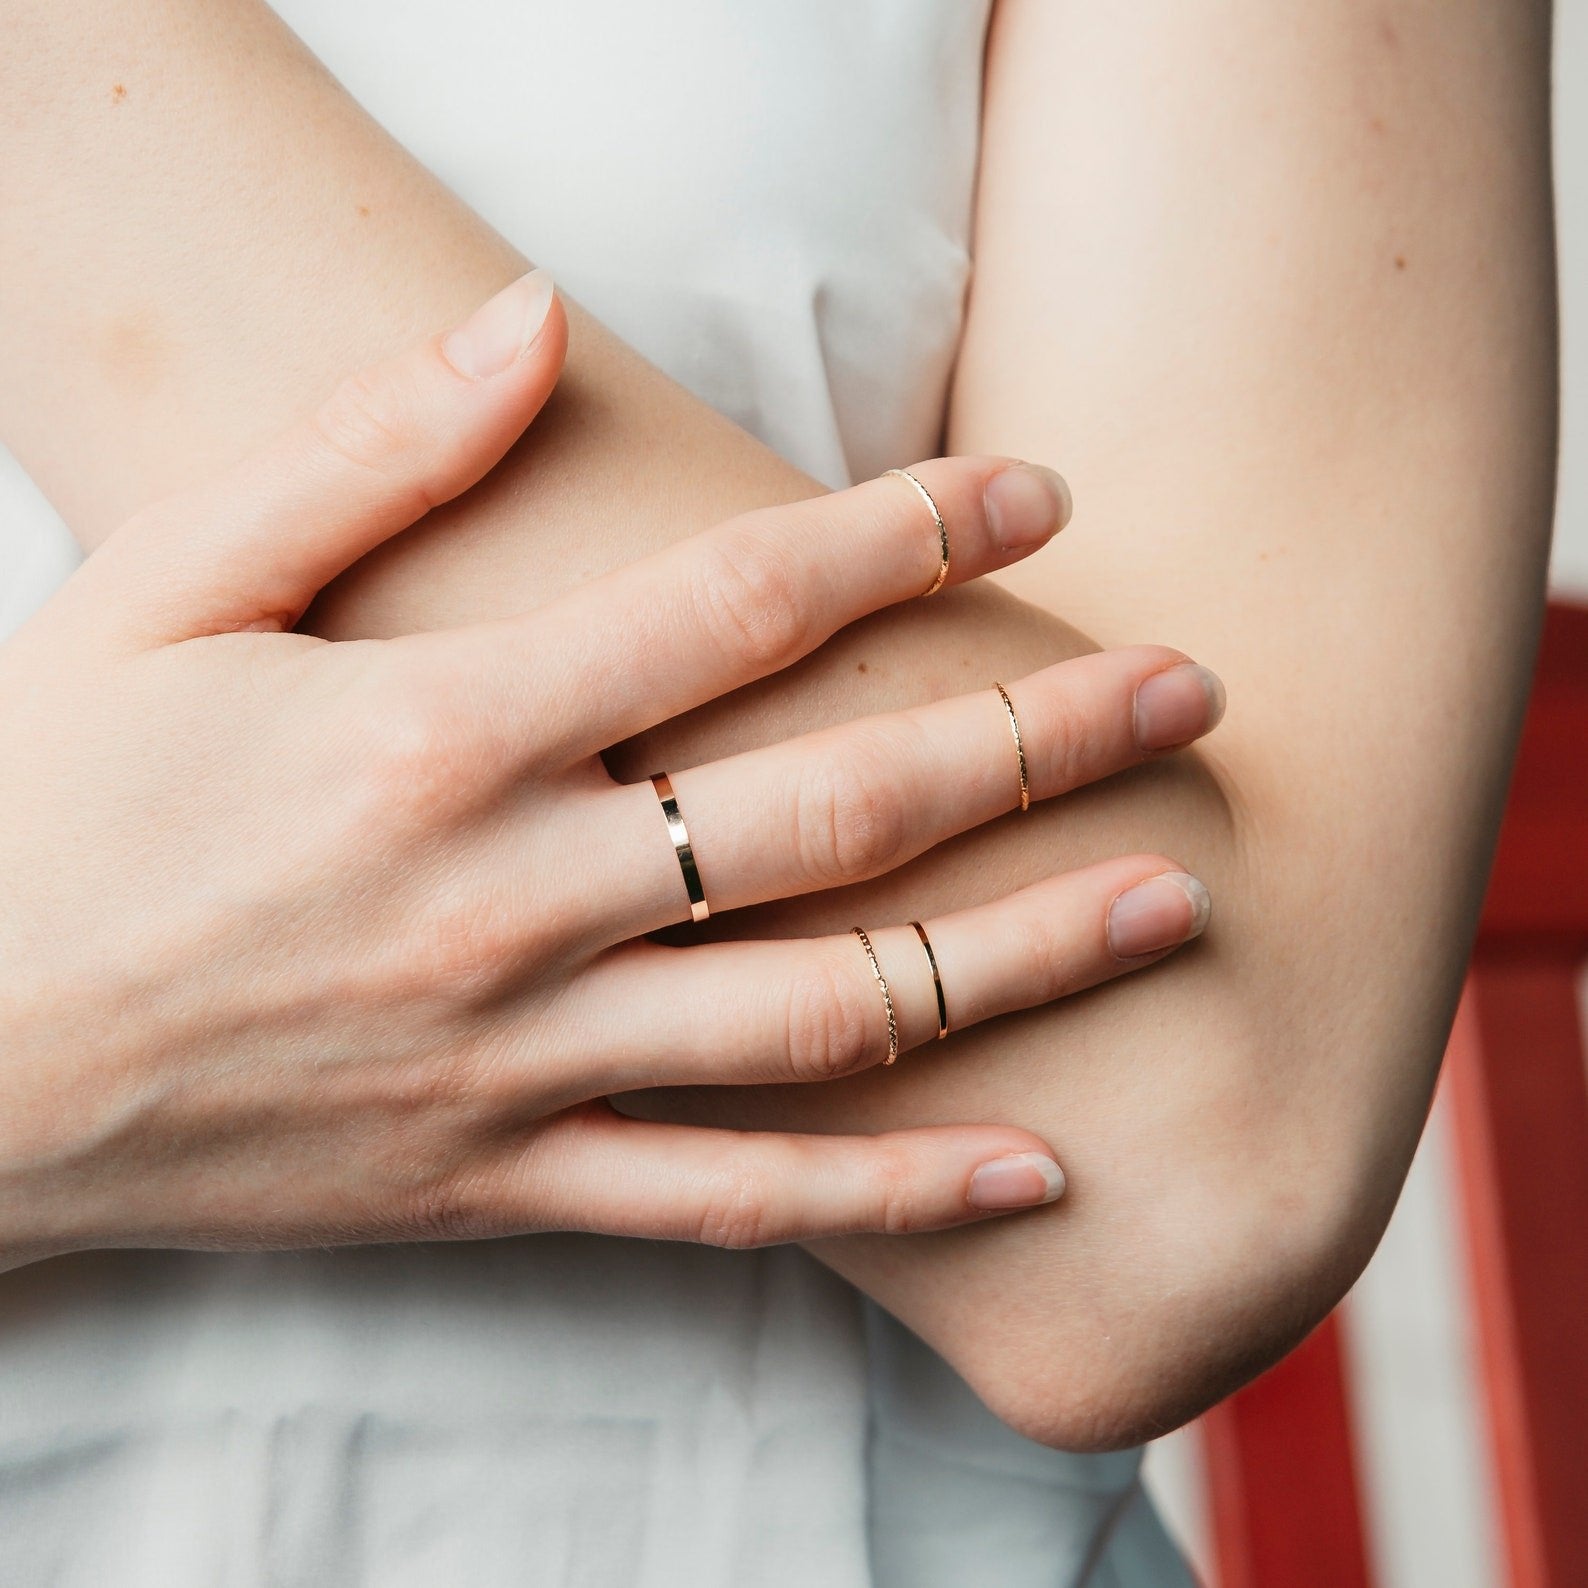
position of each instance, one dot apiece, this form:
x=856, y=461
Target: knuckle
x=1074, y=741
x=851, y=815
x=458, y=1205
x=834, y=1027
x=440, y=1111
x=466, y=952
x=370, y=424
x=413, y=746
x=754, y=602
x=895, y=1178
x=436, y=1089
x=364, y=421
x=1054, y=963
x=735, y=1215
x=409, y=739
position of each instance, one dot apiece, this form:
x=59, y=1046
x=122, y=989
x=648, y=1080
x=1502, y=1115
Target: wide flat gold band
x=699, y=910
x=1020, y=745
x=937, y=980
x=942, y=530
x=887, y=996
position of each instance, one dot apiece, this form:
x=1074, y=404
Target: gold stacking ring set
x=699, y=910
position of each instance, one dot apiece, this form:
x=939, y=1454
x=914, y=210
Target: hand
x=311, y=942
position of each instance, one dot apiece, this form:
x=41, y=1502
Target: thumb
x=252, y=548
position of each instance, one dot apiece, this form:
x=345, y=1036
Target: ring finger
x=814, y=1009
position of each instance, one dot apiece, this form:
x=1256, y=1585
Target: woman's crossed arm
x=1281, y=467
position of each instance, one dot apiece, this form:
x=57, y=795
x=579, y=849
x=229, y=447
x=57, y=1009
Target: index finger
x=751, y=596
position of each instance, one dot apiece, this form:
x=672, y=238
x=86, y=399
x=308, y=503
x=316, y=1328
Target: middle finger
x=848, y=803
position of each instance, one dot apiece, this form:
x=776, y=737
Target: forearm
x=256, y=258
x=1287, y=302
x=204, y=232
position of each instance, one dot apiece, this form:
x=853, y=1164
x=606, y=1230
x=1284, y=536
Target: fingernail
x=1020, y=1180
x=1163, y=912
x=1177, y=705
x=1026, y=505
x=498, y=333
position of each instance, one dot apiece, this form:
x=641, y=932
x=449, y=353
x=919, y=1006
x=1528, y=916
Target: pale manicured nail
x=1020, y=1180
x=1163, y=912
x=1026, y=505
x=499, y=332
x=1177, y=705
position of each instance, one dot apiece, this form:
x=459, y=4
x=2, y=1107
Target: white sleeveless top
x=772, y=202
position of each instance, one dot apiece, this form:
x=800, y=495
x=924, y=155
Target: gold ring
x=1020, y=747
x=887, y=997
x=942, y=529
x=937, y=981
x=698, y=908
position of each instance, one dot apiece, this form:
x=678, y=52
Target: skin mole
x=118, y=92
x=1400, y=261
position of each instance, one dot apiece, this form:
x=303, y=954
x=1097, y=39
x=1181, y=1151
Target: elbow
x=1182, y=1316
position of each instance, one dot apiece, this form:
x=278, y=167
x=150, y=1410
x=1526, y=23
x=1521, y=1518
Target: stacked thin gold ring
x=887, y=996
x=942, y=529
x=937, y=980
x=1020, y=745
x=887, y=992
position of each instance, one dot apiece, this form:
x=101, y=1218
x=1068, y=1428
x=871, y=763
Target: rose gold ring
x=887, y=996
x=942, y=529
x=1020, y=745
x=937, y=980
x=698, y=908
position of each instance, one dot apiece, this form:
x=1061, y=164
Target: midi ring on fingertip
x=887, y=996
x=942, y=530
x=1020, y=745
x=937, y=980
x=698, y=908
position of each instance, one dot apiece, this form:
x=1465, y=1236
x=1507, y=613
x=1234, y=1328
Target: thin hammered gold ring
x=887, y=996
x=937, y=980
x=699, y=910
x=942, y=529
x=1020, y=745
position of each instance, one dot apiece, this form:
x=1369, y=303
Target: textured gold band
x=942, y=529
x=698, y=908
x=887, y=997
x=937, y=980
x=1020, y=745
